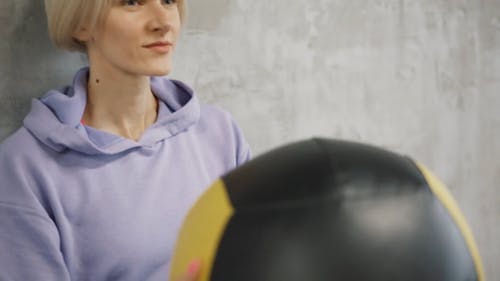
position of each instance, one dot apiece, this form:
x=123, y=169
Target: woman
x=96, y=183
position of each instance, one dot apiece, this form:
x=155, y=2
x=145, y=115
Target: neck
x=120, y=103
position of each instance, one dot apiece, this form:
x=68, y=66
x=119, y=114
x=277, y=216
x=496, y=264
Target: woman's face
x=137, y=37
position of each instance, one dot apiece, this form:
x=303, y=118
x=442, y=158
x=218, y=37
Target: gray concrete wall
x=418, y=77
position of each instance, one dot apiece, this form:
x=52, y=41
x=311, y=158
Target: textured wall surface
x=418, y=77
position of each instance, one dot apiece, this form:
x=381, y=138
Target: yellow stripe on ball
x=449, y=203
x=202, y=230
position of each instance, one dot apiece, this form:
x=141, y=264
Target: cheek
x=121, y=36
x=119, y=31
x=175, y=24
x=121, y=44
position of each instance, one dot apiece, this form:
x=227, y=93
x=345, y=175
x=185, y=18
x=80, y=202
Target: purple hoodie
x=77, y=203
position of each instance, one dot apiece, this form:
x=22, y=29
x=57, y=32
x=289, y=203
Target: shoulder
x=225, y=131
x=219, y=120
x=18, y=145
x=215, y=128
x=21, y=155
x=22, y=158
x=216, y=115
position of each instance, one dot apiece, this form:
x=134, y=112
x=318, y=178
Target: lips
x=158, y=44
x=160, y=47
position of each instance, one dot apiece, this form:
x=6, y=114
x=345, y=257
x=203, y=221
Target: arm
x=29, y=238
x=29, y=246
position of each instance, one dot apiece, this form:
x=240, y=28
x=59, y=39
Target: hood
x=55, y=118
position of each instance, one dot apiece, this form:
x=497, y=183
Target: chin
x=160, y=71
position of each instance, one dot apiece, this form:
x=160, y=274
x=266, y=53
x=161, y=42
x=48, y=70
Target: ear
x=82, y=34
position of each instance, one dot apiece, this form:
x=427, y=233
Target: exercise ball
x=325, y=209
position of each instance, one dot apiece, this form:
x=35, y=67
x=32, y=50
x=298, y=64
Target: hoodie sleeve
x=244, y=152
x=29, y=239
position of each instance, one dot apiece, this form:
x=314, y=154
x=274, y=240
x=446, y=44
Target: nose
x=161, y=16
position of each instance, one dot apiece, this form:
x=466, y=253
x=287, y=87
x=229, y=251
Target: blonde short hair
x=64, y=17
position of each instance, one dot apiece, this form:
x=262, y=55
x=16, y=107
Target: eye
x=130, y=2
x=169, y=2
